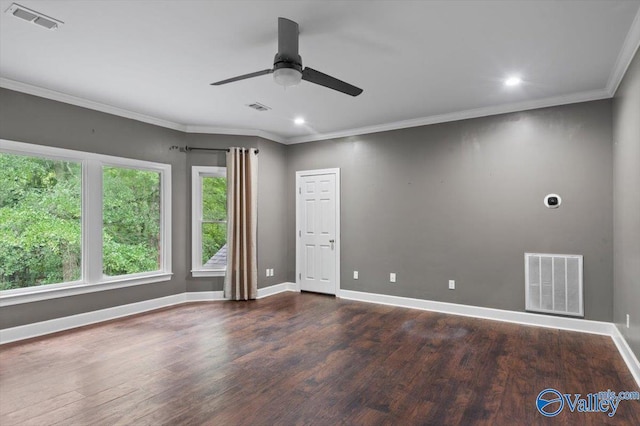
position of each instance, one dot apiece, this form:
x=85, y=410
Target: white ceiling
x=418, y=61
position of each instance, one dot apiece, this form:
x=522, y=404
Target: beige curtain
x=241, y=280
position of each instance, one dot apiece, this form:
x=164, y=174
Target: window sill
x=44, y=293
x=197, y=273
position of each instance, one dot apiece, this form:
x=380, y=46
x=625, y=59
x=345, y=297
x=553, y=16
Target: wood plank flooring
x=303, y=359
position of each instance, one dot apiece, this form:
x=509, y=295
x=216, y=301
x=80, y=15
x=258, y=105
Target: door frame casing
x=299, y=175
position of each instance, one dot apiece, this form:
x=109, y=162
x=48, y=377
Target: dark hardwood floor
x=305, y=359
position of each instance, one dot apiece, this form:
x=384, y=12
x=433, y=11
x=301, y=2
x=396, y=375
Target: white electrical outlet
x=392, y=277
x=355, y=275
x=271, y=271
x=627, y=320
x=452, y=284
x=267, y=272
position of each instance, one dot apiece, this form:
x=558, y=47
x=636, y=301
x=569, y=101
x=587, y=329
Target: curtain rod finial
x=179, y=148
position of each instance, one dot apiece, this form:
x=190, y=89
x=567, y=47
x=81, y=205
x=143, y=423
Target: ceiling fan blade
x=242, y=77
x=325, y=80
x=288, y=32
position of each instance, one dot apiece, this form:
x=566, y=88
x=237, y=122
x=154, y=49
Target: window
x=40, y=221
x=209, y=221
x=131, y=221
x=73, y=222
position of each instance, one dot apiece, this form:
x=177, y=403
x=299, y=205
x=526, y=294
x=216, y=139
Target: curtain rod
x=187, y=148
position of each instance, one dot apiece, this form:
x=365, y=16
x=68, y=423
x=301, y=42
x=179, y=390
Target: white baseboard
x=28, y=331
x=209, y=296
x=275, y=289
x=204, y=296
x=626, y=353
x=14, y=334
x=523, y=318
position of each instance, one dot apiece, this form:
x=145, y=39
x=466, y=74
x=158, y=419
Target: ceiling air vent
x=34, y=17
x=258, y=106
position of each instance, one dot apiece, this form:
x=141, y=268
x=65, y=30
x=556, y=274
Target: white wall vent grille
x=553, y=283
x=34, y=17
x=259, y=107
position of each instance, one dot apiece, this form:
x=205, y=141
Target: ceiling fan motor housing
x=286, y=61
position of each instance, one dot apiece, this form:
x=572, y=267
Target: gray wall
x=626, y=205
x=31, y=119
x=271, y=204
x=459, y=200
x=464, y=201
x=272, y=213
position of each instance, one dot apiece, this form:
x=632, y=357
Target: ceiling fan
x=287, y=65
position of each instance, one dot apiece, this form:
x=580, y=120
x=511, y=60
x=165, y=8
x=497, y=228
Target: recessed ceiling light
x=299, y=121
x=512, y=81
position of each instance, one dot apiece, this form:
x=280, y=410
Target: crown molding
x=434, y=119
x=121, y=112
x=237, y=132
x=628, y=51
x=85, y=103
x=461, y=115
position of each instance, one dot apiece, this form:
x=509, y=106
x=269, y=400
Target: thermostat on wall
x=552, y=201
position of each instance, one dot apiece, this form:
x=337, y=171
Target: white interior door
x=318, y=224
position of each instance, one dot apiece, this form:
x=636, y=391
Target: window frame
x=92, y=278
x=197, y=173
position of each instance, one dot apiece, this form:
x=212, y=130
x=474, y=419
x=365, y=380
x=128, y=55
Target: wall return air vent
x=34, y=17
x=553, y=283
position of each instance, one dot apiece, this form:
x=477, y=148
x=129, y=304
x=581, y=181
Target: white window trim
x=92, y=277
x=197, y=173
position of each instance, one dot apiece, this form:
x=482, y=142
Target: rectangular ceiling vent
x=34, y=17
x=553, y=283
x=258, y=106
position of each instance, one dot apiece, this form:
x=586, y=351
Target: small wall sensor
x=552, y=201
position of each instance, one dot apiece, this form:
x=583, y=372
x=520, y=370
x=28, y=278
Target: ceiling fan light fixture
x=287, y=77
